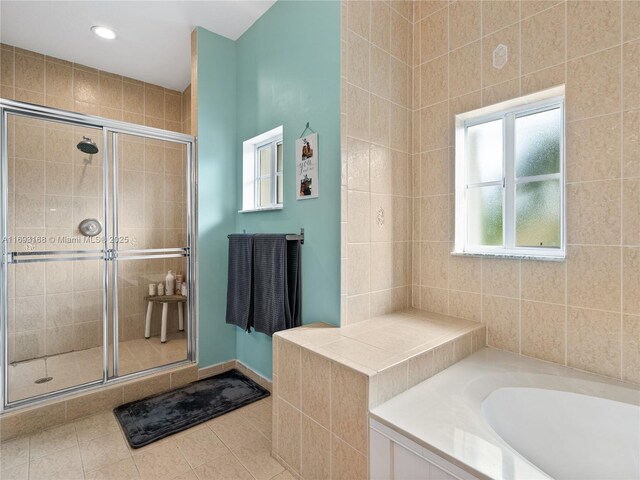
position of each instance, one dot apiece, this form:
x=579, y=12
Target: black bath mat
x=152, y=418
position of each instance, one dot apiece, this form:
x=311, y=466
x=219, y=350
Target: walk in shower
x=93, y=212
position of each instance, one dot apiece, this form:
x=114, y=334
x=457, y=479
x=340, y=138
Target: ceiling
x=154, y=37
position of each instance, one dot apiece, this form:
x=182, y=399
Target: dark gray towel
x=276, y=290
x=240, y=281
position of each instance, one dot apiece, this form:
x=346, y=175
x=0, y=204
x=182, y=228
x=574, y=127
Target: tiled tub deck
x=326, y=379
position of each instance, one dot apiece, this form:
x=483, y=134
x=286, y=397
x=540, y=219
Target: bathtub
x=504, y=416
x=566, y=434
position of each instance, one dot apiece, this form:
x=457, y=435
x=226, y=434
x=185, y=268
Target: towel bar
x=290, y=236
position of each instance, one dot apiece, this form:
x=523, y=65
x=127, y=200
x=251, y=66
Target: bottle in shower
x=170, y=282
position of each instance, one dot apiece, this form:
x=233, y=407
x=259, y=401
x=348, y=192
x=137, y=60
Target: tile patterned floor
x=83, y=366
x=234, y=446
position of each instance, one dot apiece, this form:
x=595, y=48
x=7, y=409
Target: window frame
x=274, y=140
x=274, y=175
x=508, y=111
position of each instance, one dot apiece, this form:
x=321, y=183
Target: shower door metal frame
x=110, y=254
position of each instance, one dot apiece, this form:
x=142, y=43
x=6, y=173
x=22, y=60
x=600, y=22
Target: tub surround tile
x=345, y=371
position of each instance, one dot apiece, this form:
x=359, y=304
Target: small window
x=263, y=187
x=510, y=178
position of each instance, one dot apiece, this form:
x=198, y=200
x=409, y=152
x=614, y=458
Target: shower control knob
x=90, y=227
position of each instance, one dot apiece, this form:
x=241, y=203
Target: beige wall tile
x=593, y=148
x=501, y=277
x=594, y=341
x=434, y=172
x=359, y=270
x=464, y=273
x=382, y=265
x=543, y=281
x=502, y=316
x=359, y=14
x=358, y=165
x=543, y=79
x=349, y=406
x=594, y=213
x=593, y=277
x=593, y=85
x=630, y=20
x=434, y=300
x=59, y=80
x=543, y=331
x=358, y=308
x=501, y=92
x=289, y=434
x=631, y=348
x=592, y=26
x=510, y=37
x=391, y=382
x=631, y=144
x=379, y=71
x=531, y=7
x=358, y=109
x=400, y=38
x=435, y=218
x=380, y=24
x=346, y=462
x=497, y=14
x=316, y=401
x=289, y=387
x=464, y=69
x=358, y=64
x=631, y=212
x=464, y=23
x=631, y=75
x=435, y=264
x=465, y=305
x=419, y=368
x=399, y=82
x=29, y=72
x=399, y=128
x=631, y=280
x=434, y=35
x=434, y=81
x=380, y=119
x=543, y=39
x=434, y=128
x=358, y=217
x=316, y=450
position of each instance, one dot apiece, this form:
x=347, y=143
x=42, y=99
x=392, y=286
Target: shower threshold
x=66, y=370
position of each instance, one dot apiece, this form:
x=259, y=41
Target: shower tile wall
x=57, y=307
x=376, y=138
x=584, y=312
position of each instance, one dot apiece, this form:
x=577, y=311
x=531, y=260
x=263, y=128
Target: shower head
x=86, y=145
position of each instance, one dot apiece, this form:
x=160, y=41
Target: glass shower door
x=150, y=206
x=54, y=284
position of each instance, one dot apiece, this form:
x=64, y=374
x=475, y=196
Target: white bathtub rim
x=446, y=408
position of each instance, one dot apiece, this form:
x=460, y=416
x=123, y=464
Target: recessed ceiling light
x=103, y=32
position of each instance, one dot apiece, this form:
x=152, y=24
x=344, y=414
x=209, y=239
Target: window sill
x=544, y=258
x=265, y=209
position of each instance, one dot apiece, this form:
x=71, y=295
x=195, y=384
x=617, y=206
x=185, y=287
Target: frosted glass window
x=538, y=214
x=265, y=192
x=484, y=147
x=279, y=150
x=538, y=143
x=509, y=178
x=485, y=216
x=265, y=161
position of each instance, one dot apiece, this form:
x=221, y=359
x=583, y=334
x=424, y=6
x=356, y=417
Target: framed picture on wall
x=307, y=174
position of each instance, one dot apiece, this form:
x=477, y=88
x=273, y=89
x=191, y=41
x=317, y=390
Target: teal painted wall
x=288, y=70
x=217, y=149
x=285, y=70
